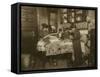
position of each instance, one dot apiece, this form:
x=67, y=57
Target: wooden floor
x=49, y=62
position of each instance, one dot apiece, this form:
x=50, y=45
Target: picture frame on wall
x=51, y=38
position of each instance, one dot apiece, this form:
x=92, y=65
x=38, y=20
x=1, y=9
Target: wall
x=43, y=16
x=5, y=39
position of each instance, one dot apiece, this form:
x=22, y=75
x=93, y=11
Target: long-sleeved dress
x=77, y=48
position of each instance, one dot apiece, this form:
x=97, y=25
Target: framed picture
x=51, y=38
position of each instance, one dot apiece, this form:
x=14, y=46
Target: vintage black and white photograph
x=57, y=38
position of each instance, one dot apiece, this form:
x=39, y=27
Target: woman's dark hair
x=44, y=25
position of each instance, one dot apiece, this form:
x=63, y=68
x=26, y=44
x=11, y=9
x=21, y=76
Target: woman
x=77, y=47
